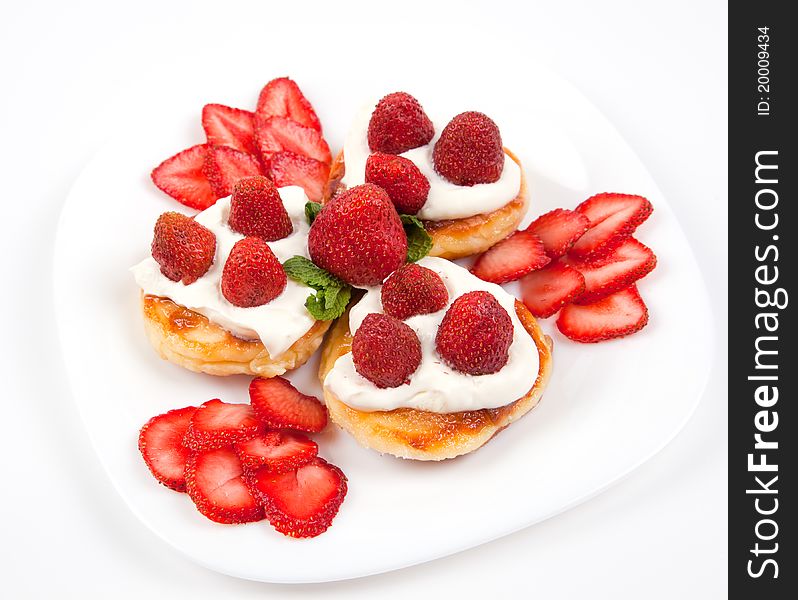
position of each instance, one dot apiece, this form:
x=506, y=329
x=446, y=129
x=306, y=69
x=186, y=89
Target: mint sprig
x=419, y=242
x=331, y=294
x=312, y=209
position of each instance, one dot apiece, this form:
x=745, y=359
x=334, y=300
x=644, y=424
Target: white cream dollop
x=446, y=200
x=435, y=386
x=279, y=323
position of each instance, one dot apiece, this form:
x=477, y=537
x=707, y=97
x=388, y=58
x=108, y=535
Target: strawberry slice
x=279, y=405
x=278, y=451
x=512, y=258
x=621, y=268
x=160, y=444
x=559, y=229
x=546, y=291
x=613, y=218
x=227, y=126
x=275, y=134
x=618, y=315
x=300, y=503
x=224, y=166
x=181, y=176
x=217, y=424
x=215, y=482
x=282, y=98
x=288, y=168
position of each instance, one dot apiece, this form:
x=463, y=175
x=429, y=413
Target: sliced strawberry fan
x=238, y=470
x=281, y=140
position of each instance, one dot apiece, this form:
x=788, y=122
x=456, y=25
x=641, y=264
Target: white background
x=657, y=70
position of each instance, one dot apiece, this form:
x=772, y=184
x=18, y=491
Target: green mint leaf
x=331, y=295
x=419, y=242
x=321, y=307
x=304, y=271
x=311, y=210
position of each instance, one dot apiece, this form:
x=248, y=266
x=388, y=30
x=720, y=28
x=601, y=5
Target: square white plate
x=609, y=407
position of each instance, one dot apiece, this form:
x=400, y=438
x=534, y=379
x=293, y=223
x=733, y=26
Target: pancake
x=189, y=339
x=422, y=435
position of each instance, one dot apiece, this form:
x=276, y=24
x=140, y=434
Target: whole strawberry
x=385, y=351
x=401, y=178
x=399, y=124
x=475, y=334
x=469, y=150
x=358, y=236
x=252, y=275
x=182, y=247
x=257, y=209
x=413, y=290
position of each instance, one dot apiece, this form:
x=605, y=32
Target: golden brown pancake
x=190, y=340
x=423, y=435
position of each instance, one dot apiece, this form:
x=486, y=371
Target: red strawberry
x=400, y=177
x=226, y=126
x=275, y=134
x=559, y=229
x=252, y=275
x=257, y=209
x=288, y=168
x=358, y=236
x=217, y=424
x=278, y=451
x=469, y=150
x=161, y=446
x=385, y=351
x=546, y=291
x=182, y=247
x=399, y=124
x=283, y=98
x=475, y=334
x=280, y=405
x=214, y=481
x=224, y=166
x=618, y=315
x=300, y=503
x=626, y=264
x=413, y=290
x=512, y=258
x=182, y=178
x=613, y=218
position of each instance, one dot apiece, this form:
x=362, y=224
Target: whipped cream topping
x=279, y=323
x=446, y=200
x=435, y=386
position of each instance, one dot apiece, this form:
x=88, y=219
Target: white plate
x=609, y=407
